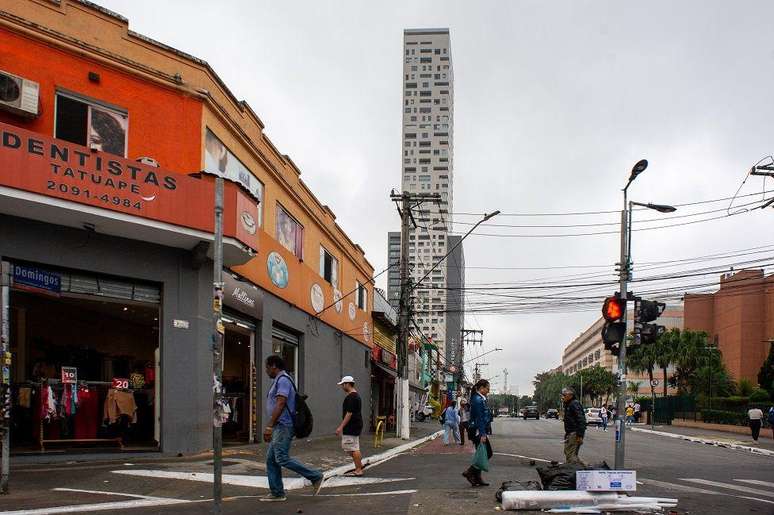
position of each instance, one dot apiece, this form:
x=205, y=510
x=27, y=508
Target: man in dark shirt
x=574, y=425
x=351, y=423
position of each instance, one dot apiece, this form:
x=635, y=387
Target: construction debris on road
x=571, y=501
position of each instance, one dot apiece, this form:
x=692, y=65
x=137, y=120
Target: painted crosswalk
x=730, y=486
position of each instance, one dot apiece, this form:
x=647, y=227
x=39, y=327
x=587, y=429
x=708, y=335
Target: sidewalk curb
x=376, y=458
x=707, y=441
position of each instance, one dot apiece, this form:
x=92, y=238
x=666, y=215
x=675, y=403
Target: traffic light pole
x=620, y=425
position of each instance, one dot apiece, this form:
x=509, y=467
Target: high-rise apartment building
x=428, y=150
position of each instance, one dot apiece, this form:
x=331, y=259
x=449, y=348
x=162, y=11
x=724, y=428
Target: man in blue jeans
x=280, y=403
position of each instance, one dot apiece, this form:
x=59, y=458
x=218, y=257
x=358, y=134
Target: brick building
x=739, y=318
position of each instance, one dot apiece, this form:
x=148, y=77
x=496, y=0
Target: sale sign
x=69, y=375
x=120, y=383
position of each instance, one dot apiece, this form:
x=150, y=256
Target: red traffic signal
x=613, y=309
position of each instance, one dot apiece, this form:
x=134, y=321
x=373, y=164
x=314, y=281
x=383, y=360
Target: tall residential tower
x=428, y=150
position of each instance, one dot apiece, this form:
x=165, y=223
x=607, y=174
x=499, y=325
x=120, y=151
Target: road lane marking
x=754, y=499
x=729, y=486
x=104, y=506
x=756, y=482
x=101, y=492
x=367, y=494
x=520, y=456
x=716, y=443
x=684, y=488
x=293, y=483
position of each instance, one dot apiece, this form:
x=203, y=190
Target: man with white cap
x=352, y=423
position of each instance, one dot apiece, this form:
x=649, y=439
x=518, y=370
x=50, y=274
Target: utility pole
x=505, y=381
x=406, y=202
x=217, y=352
x=5, y=376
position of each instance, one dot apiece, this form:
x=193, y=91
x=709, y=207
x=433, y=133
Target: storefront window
x=85, y=369
x=290, y=233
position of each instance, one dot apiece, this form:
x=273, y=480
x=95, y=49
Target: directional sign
x=654, y=382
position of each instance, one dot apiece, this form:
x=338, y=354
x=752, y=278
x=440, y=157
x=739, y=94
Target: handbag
x=481, y=458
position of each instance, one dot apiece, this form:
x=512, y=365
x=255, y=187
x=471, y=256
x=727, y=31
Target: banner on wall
x=218, y=160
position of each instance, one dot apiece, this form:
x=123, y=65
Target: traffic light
x=614, y=330
x=648, y=311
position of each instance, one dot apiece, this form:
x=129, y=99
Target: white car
x=592, y=417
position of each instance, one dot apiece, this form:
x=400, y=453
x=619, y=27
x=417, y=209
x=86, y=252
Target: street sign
x=654, y=382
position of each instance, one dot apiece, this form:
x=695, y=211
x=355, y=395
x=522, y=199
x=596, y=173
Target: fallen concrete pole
x=568, y=499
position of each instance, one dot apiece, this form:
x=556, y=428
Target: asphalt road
x=427, y=480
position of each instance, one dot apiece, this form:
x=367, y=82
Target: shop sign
x=278, y=270
x=120, y=383
x=387, y=357
x=69, y=375
x=36, y=279
x=317, y=297
x=242, y=296
x=32, y=162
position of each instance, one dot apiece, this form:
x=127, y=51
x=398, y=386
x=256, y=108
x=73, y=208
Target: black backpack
x=303, y=422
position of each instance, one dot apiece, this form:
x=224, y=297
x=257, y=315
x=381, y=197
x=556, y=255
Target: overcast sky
x=554, y=103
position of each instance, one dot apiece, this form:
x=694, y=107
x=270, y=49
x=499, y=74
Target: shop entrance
x=239, y=379
x=84, y=367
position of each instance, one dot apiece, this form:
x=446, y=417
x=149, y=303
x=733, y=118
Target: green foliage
x=744, y=387
x=633, y=386
x=766, y=374
x=711, y=380
x=548, y=389
x=714, y=416
x=759, y=395
x=598, y=382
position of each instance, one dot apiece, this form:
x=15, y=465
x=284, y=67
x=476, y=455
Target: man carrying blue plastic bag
x=479, y=429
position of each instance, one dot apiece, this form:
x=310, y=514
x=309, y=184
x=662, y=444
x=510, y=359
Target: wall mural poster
x=351, y=311
x=317, y=297
x=218, y=160
x=107, y=130
x=278, y=270
x=337, y=300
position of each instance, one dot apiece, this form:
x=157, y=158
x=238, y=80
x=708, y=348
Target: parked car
x=592, y=417
x=552, y=413
x=530, y=412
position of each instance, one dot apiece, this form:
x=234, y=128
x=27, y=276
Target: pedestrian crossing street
x=752, y=489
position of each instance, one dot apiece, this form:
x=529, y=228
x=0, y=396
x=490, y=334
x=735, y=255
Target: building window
x=90, y=124
x=290, y=233
x=362, y=296
x=329, y=267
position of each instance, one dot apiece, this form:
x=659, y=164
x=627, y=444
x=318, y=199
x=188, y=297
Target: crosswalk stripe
x=684, y=488
x=729, y=486
x=756, y=482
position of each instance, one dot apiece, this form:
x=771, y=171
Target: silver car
x=592, y=417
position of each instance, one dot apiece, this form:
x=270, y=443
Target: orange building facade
x=739, y=319
x=109, y=145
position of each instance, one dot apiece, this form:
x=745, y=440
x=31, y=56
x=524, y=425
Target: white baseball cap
x=346, y=379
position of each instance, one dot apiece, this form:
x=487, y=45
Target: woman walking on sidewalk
x=479, y=428
x=464, y=419
x=451, y=424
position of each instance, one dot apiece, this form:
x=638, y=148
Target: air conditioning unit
x=19, y=95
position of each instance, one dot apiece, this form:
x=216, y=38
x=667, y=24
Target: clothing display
x=25, y=397
x=69, y=403
x=47, y=403
x=87, y=420
x=117, y=403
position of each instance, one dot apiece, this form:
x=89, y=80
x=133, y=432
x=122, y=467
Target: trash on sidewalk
x=572, y=501
x=516, y=486
x=562, y=476
x=606, y=480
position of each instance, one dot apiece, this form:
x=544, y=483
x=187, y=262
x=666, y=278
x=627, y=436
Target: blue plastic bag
x=480, y=458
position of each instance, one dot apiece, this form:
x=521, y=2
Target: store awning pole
x=217, y=352
x=5, y=376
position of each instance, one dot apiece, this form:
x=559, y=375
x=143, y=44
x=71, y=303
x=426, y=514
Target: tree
x=666, y=346
x=633, y=387
x=548, y=389
x=597, y=382
x=644, y=358
x=690, y=353
x=766, y=375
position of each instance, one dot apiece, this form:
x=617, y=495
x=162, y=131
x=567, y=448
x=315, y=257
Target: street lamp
x=625, y=269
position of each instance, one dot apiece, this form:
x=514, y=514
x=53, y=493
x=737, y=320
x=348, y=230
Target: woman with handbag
x=479, y=429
